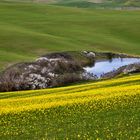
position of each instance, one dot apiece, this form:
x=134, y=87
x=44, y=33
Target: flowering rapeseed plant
x=102, y=110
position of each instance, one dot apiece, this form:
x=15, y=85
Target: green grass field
x=87, y=3
x=28, y=30
x=102, y=110
x=99, y=3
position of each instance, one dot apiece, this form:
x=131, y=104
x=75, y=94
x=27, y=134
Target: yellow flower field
x=101, y=110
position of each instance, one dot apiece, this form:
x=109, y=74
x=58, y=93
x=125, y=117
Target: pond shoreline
x=58, y=69
x=102, y=67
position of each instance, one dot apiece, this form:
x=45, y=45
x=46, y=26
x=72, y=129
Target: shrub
x=67, y=67
x=11, y=81
x=66, y=78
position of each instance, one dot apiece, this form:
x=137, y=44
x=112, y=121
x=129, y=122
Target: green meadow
x=99, y=3
x=28, y=30
x=101, y=110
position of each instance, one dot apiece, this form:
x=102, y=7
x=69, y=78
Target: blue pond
x=105, y=66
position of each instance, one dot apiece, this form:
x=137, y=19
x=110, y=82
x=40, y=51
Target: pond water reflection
x=105, y=66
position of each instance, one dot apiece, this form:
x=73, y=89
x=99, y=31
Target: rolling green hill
x=96, y=110
x=32, y=29
x=99, y=3
x=102, y=110
x=86, y=3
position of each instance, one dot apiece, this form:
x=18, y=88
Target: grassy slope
x=99, y=3
x=103, y=110
x=87, y=3
x=30, y=30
